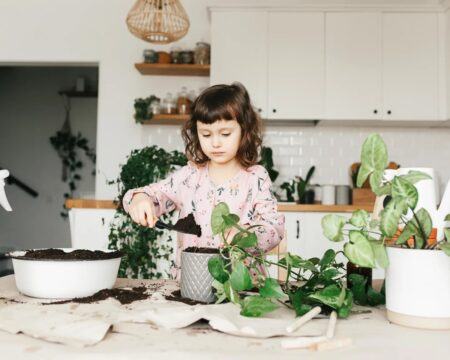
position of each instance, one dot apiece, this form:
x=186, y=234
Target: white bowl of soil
x=64, y=273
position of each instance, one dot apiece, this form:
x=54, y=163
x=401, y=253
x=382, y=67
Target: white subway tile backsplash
x=333, y=149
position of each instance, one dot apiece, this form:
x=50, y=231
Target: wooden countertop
x=285, y=207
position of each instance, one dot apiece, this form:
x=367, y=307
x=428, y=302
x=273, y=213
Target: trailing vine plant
x=69, y=147
x=142, y=110
x=147, y=250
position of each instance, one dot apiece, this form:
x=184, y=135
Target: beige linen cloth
x=87, y=324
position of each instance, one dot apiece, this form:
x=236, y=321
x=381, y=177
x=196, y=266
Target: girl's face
x=220, y=140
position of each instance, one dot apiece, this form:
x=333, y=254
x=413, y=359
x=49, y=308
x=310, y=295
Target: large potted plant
x=402, y=240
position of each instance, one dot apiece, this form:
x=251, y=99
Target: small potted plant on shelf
x=401, y=240
x=305, y=194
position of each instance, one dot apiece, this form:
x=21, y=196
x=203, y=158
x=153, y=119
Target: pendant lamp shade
x=158, y=21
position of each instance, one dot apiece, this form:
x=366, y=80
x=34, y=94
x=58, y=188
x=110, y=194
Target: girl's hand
x=142, y=210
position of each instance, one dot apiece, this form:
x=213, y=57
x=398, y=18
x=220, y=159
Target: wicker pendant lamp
x=158, y=21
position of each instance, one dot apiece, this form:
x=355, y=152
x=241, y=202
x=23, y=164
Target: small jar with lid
x=183, y=103
x=202, y=53
x=168, y=105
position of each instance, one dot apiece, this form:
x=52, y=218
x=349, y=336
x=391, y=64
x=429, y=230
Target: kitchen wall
x=86, y=35
x=30, y=112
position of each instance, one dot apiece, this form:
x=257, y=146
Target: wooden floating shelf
x=167, y=119
x=173, y=69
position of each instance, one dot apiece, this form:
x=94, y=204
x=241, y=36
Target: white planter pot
x=418, y=288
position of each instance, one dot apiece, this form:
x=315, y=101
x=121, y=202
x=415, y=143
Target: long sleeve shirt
x=190, y=190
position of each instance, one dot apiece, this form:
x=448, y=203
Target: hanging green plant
x=142, y=110
x=69, y=148
x=143, y=247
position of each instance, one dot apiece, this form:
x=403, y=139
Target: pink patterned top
x=190, y=189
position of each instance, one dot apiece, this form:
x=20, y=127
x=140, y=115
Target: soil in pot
x=201, y=250
x=78, y=254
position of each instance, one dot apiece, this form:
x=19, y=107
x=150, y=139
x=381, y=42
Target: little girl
x=223, y=139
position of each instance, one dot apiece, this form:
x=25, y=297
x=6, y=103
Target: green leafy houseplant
x=303, y=183
x=366, y=237
x=143, y=246
x=267, y=162
x=290, y=189
x=141, y=108
x=309, y=282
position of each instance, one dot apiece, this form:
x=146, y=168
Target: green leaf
x=327, y=258
x=380, y=253
x=271, y=289
x=357, y=284
x=373, y=157
x=331, y=296
x=404, y=236
x=447, y=217
x=297, y=299
x=220, y=291
x=359, y=251
x=445, y=247
x=256, y=306
x=216, y=268
x=420, y=226
x=390, y=216
x=240, y=277
x=376, y=184
x=403, y=189
x=231, y=293
x=296, y=262
x=360, y=218
x=330, y=274
x=447, y=234
x=414, y=176
x=363, y=173
x=217, y=221
x=344, y=310
x=333, y=226
x=230, y=220
x=375, y=298
x=244, y=240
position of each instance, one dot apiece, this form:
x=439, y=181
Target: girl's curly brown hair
x=224, y=102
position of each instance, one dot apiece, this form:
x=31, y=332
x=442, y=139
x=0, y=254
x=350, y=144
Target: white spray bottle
x=3, y=200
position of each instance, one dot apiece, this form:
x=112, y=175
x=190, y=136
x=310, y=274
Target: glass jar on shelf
x=168, y=105
x=202, y=53
x=183, y=103
x=154, y=107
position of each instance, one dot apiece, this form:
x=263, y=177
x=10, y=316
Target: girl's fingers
x=151, y=219
x=142, y=219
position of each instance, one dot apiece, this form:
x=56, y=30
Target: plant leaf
x=380, y=253
x=375, y=298
x=357, y=284
x=390, y=216
x=230, y=220
x=245, y=240
x=403, y=189
x=344, y=310
x=359, y=251
x=360, y=218
x=331, y=296
x=363, y=173
x=231, y=293
x=376, y=186
x=421, y=222
x=296, y=262
x=404, y=236
x=220, y=291
x=447, y=234
x=240, y=277
x=327, y=258
x=271, y=289
x=414, y=176
x=447, y=217
x=217, y=221
x=333, y=226
x=373, y=157
x=445, y=247
x=255, y=306
x=216, y=268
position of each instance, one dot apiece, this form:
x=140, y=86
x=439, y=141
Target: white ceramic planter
x=63, y=279
x=418, y=288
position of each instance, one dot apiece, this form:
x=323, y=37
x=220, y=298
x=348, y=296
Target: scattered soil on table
x=124, y=296
x=188, y=225
x=176, y=296
x=79, y=254
x=201, y=250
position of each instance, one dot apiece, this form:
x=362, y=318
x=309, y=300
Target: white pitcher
x=428, y=195
x=3, y=200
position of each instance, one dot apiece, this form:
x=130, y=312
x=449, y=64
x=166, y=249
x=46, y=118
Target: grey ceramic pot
x=196, y=281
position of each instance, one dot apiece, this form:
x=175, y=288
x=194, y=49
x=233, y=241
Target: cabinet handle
x=103, y=221
x=375, y=111
x=274, y=110
x=298, y=229
x=389, y=112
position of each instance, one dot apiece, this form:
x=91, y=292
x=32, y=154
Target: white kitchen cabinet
x=296, y=77
x=353, y=66
x=89, y=228
x=305, y=237
x=410, y=66
x=239, y=52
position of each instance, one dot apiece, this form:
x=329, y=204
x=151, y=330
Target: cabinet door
x=353, y=66
x=239, y=52
x=410, y=66
x=296, y=65
x=293, y=226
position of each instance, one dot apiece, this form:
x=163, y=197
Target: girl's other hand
x=142, y=210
